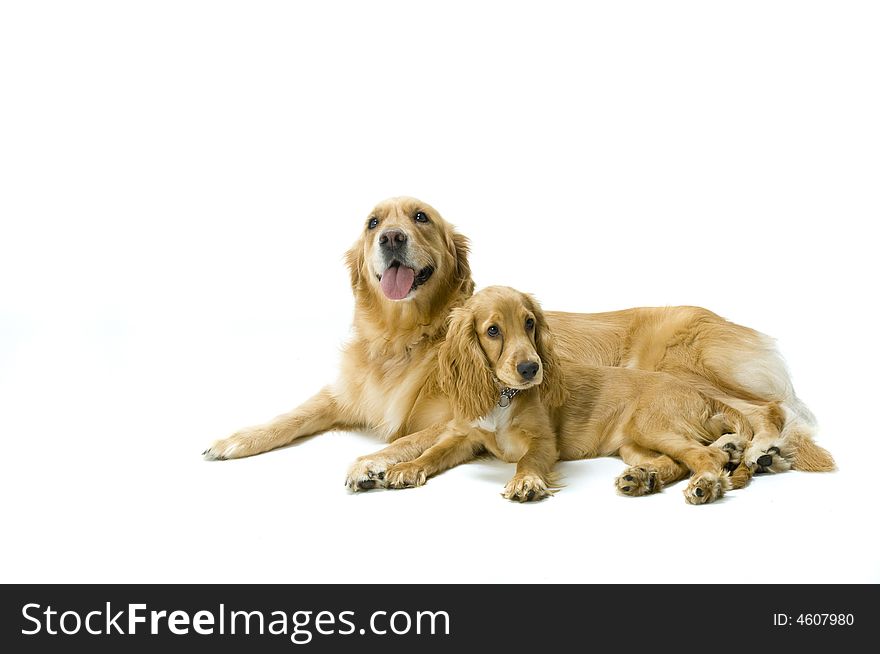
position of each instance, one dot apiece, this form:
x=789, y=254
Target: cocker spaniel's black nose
x=527, y=370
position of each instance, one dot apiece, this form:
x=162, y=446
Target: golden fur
x=395, y=345
x=659, y=425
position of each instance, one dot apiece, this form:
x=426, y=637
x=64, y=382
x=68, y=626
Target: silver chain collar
x=507, y=394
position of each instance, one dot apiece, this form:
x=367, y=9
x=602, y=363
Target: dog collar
x=507, y=394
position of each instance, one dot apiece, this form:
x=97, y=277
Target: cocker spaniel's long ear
x=354, y=259
x=460, y=247
x=464, y=373
x=552, y=388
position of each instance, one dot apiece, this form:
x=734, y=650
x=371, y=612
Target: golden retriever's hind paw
x=364, y=475
x=526, y=488
x=773, y=458
x=638, y=481
x=707, y=487
x=406, y=475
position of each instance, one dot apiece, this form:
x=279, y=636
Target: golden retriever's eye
x=422, y=217
x=493, y=331
x=530, y=324
x=373, y=224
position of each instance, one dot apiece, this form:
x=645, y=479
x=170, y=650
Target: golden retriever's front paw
x=526, y=488
x=706, y=487
x=365, y=474
x=241, y=444
x=406, y=475
x=638, y=481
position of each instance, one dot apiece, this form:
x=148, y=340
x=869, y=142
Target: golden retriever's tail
x=759, y=370
x=798, y=436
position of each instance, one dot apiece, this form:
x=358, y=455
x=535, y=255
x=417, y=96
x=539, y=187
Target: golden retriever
x=409, y=270
x=512, y=398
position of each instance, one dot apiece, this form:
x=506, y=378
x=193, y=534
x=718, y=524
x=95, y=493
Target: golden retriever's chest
x=508, y=445
x=382, y=397
x=388, y=404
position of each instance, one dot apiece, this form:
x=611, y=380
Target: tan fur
x=587, y=411
x=394, y=348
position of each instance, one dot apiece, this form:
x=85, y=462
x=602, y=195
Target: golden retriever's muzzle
x=400, y=277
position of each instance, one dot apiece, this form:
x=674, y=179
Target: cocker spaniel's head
x=498, y=339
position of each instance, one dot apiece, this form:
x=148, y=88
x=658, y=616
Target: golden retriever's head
x=406, y=253
x=498, y=339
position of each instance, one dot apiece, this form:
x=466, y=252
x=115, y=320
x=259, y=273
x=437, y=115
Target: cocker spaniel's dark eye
x=373, y=224
x=422, y=217
x=530, y=324
x=493, y=331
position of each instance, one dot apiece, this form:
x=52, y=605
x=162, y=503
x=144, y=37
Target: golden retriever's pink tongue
x=397, y=282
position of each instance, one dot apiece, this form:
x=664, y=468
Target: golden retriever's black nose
x=527, y=369
x=392, y=239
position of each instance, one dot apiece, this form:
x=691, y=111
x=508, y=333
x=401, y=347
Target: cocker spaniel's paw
x=768, y=457
x=706, y=487
x=638, y=481
x=734, y=446
x=406, y=475
x=526, y=488
x=740, y=476
x=366, y=474
x=246, y=442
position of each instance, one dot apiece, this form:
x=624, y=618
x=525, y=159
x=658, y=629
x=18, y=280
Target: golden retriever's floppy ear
x=464, y=374
x=553, y=386
x=460, y=247
x=354, y=259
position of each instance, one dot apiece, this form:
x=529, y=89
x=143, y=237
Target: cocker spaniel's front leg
x=370, y=471
x=451, y=450
x=532, y=481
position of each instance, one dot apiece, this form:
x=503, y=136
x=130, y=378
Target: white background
x=179, y=181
